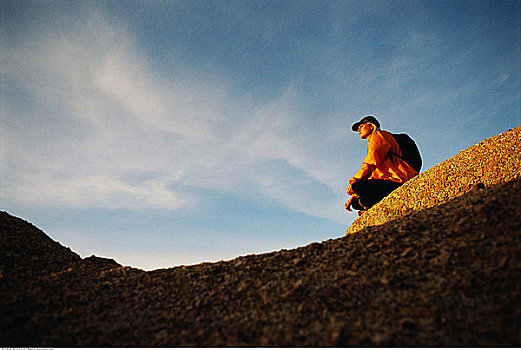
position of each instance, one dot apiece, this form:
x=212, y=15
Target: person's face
x=365, y=130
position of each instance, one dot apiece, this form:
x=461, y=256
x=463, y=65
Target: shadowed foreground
x=448, y=275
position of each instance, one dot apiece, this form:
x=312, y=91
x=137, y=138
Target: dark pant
x=371, y=192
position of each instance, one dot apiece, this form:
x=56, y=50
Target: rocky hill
x=433, y=268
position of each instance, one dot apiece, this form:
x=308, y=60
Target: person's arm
x=365, y=172
x=377, y=151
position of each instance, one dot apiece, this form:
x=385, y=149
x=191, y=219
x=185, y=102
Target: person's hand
x=348, y=204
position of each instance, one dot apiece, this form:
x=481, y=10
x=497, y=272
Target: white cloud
x=95, y=191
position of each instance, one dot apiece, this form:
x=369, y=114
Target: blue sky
x=175, y=132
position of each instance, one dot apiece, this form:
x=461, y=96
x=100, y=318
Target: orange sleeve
x=365, y=171
x=377, y=152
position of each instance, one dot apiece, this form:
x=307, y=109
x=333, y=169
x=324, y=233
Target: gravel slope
x=448, y=275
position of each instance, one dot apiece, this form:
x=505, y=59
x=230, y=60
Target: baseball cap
x=368, y=119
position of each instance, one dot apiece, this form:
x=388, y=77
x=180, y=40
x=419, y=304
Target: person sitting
x=381, y=173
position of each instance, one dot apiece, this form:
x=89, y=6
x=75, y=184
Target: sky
x=167, y=133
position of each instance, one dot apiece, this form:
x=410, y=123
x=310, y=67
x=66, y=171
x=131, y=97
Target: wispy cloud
x=107, y=130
